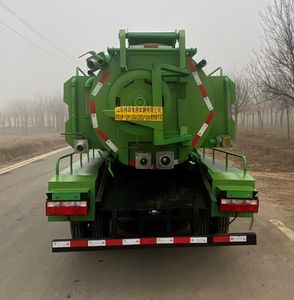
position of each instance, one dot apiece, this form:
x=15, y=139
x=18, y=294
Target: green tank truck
x=147, y=126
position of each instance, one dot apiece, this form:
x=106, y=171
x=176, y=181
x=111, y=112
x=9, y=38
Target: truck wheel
x=219, y=225
x=82, y=230
x=204, y=224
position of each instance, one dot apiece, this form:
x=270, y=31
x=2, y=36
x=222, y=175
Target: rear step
x=231, y=239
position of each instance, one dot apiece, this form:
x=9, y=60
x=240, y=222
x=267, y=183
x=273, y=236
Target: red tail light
x=66, y=208
x=239, y=205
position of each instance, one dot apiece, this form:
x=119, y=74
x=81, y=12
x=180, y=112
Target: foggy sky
x=223, y=31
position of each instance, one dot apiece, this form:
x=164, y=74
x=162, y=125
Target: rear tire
x=219, y=225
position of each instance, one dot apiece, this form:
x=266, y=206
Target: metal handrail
x=61, y=158
x=217, y=69
x=70, y=155
x=227, y=153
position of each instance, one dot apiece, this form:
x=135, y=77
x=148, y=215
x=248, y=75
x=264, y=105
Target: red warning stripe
x=181, y=240
x=209, y=240
x=104, y=76
x=221, y=239
x=202, y=90
x=114, y=242
x=92, y=106
x=102, y=134
x=151, y=46
x=132, y=162
x=203, y=128
x=195, y=140
x=147, y=241
x=78, y=243
x=210, y=117
x=191, y=64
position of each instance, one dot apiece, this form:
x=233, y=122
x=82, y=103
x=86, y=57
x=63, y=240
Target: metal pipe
x=228, y=105
x=89, y=82
x=74, y=120
x=70, y=161
x=81, y=160
x=220, y=69
x=59, y=159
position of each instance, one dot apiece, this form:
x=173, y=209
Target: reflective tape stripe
x=93, y=113
x=100, y=83
x=92, y=106
x=168, y=240
x=226, y=239
x=199, y=83
x=191, y=64
x=195, y=140
x=102, y=135
x=111, y=145
x=210, y=117
x=96, y=243
x=97, y=88
x=221, y=239
x=78, y=243
x=181, y=240
x=131, y=241
x=198, y=240
x=202, y=91
x=104, y=76
x=147, y=241
x=115, y=242
x=203, y=128
x=106, y=139
x=61, y=244
x=94, y=120
x=208, y=103
x=238, y=238
x=197, y=78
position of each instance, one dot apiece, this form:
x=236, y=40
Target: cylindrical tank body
x=150, y=102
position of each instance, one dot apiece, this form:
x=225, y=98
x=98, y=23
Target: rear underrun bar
x=232, y=239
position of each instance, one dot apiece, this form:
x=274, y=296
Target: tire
x=204, y=223
x=219, y=225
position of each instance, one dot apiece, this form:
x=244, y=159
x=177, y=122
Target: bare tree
x=243, y=94
x=273, y=65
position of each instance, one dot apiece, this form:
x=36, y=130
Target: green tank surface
x=140, y=121
x=148, y=96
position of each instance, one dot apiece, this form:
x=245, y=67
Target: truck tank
x=137, y=121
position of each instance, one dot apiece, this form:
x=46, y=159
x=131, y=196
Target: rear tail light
x=66, y=208
x=239, y=205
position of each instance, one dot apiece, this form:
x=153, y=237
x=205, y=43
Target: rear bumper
x=231, y=239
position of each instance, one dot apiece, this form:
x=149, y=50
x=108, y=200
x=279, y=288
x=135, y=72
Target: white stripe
x=202, y=129
x=96, y=243
x=97, y=88
x=164, y=47
x=61, y=244
x=131, y=241
x=111, y=145
x=198, y=240
x=208, y=103
x=137, y=46
x=146, y=47
x=282, y=227
x=197, y=78
x=164, y=240
x=238, y=238
x=94, y=120
x=28, y=161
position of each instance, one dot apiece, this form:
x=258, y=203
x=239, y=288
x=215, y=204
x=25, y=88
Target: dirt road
x=30, y=271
